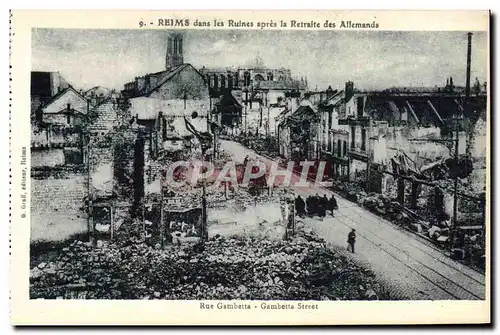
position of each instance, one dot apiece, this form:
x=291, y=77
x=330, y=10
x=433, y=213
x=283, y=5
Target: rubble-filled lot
x=423, y=220
x=244, y=267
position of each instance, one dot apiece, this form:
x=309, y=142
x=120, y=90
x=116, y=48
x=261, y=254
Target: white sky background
x=372, y=59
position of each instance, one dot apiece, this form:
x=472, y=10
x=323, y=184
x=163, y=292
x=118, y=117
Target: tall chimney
x=467, y=80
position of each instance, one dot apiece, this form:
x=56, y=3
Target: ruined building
x=159, y=103
x=253, y=87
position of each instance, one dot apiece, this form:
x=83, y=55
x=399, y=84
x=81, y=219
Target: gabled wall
x=75, y=100
x=188, y=81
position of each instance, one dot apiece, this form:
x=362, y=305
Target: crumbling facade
x=59, y=183
x=167, y=108
x=257, y=88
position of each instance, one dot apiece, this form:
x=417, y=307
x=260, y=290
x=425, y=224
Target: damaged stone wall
x=187, y=82
x=479, y=150
x=123, y=163
x=284, y=142
x=357, y=170
x=398, y=139
x=47, y=157
x=58, y=205
x=106, y=117
x=101, y=170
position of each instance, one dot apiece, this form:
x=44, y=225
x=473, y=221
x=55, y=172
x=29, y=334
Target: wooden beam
x=91, y=224
x=412, y=111
x=394, y=108
x=435, y=111
x=459, y=105
x=112, y=223
x=162, y=213
x=423, y=182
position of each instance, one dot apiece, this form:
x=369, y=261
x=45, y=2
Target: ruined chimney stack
x=349, y=90
x=467, y=80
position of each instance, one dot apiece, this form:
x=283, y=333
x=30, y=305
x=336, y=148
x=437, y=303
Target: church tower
x=175, y=50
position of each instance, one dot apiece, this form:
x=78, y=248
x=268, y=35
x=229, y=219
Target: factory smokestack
x=467, y=80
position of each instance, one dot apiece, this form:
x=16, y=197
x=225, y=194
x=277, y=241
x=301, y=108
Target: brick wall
x=57, y=207
x=47, y=157
x=151, y=166
x=107, y=117
x=35, y=103
x=188, y=82
x=101, y=167
x=61, y=119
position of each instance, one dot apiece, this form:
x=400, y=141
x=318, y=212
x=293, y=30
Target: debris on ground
x=242, y=267
x=422, y=220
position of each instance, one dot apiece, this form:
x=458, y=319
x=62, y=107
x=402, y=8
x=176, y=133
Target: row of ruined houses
x=99, y=146
x=109, y=148
x=99, y=153
x=355, y=131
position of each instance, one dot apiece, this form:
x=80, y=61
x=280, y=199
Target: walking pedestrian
x=333, y=204
x=351, y=240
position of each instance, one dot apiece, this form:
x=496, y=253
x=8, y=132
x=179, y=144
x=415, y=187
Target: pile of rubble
x=466, y=246
x=221, y=268
x=223, y=157
x=351, y=191
x=393, y=211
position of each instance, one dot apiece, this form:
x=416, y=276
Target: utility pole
x=455, y=141
x=90, y=218
x=162, y=215
x=268, y=122
x=185, y=98
x=368, y=155
x=455, y=186
x=260, y=119
x=277, y=134
x=246, y=102
x=204, y=230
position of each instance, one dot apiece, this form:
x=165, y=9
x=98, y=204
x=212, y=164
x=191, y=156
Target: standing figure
x=321, y=207
x=351, y=240
x=317, y=204
x=300, y=206
x=310, y=205
x=324, y=205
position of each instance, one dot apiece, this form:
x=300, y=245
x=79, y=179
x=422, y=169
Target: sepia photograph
x=264, y=165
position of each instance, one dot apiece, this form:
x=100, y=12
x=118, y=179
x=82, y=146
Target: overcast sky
x=372, y=59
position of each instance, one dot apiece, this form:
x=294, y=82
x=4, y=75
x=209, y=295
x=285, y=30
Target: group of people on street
x=319, y=206
x=316, y=205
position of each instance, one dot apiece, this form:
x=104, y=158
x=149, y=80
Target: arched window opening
x=258, y=77
x=247, y=78
x=216, y=81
